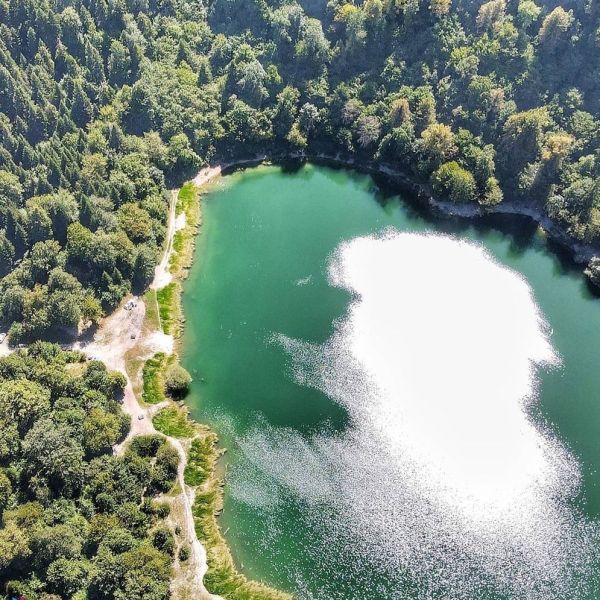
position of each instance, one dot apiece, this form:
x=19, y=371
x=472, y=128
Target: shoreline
x=203, y=503
x=200, y=479
x=579, y=252
x=125, y=340
x=199, y=505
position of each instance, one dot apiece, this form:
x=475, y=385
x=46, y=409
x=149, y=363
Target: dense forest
x=106, y=104
x=102, y=102
x=78, y=522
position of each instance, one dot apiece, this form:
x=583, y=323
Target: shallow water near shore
x=411, y=407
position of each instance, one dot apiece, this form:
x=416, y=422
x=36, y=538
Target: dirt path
x=194, y=579
x=162, y=277
x=119, y=334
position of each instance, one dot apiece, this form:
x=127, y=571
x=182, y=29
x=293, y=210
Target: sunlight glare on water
x=449, y=340
x=443, y=476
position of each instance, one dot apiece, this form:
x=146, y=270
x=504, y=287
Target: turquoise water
x=260, y=272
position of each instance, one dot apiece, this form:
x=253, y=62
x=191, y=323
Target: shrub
x=177, y=381
x=146, y=445
x=455, y=182
x=163, y=541
x=184, y=553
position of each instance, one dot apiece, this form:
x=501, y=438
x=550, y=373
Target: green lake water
x=260, y=270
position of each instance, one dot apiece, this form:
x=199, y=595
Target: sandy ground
x=208, y=173
x=162, y=277
x=180, y=221
x=117, y=335
x=4, y=349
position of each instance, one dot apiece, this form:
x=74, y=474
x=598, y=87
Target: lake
x=411, y=405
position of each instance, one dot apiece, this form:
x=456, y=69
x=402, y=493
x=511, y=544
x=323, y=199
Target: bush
x=117, y=382
x=178, y=381
x=164, y=472
x=184, y=553
x=146, y=445
x=593, y=271
x=163, y=510
x=163, y=540
x=455, y=182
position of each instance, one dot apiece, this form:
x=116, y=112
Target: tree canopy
x=77, y=521
x=102, y=103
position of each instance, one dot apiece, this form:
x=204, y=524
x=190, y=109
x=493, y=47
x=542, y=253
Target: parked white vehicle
x=130, y=304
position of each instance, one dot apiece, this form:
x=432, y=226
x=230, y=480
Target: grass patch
x=222, y=577
x=168, y=308
x=153, y=382
x=174, y=422
x=186, y=197
x=177, y=252
x=178, y=240
x=183, y=241
x=199, y=466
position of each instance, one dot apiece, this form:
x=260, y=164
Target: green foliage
x=199, y=463
x=455, y=182
x=102, y=431
x=152, y=375
x=173, y=421
x=184, y=553
x=593, y=271
x=104, y=105
x=163, y=472
x=177, y=381
x=167, y=298
x=71, y=524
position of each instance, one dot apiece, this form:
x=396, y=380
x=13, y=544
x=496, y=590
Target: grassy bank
x=184, y=240
x=153, y=379
x=169, y=309
x=222, y=577
x=187, y=210
x=173, y=421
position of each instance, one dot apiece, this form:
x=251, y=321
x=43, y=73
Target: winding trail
x=162, y=276
x=119, y=334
